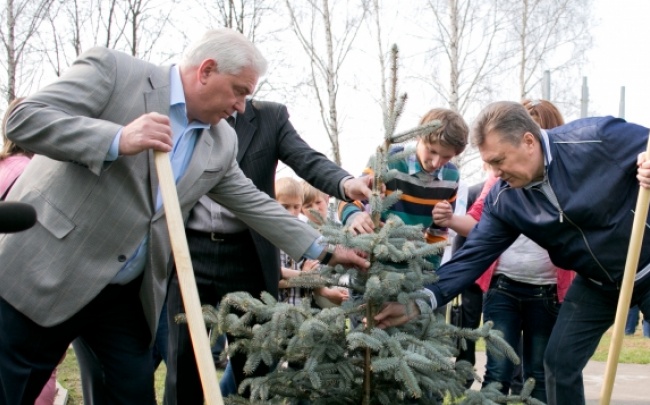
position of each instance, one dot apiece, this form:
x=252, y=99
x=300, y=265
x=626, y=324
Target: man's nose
x=240, y=106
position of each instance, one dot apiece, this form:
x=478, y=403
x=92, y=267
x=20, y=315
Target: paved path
x=61, y=395
x=632, y=386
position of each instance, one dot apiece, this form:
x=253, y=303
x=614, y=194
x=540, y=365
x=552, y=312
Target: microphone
x=16, y=217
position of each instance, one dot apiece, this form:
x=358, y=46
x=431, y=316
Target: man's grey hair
x=508, y=119
x=230, y=49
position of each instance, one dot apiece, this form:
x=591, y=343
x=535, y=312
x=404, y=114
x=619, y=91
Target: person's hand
x=336, y=294
x=358, y=188
x=349, y=258
x=149, y=131
x=643, y=170
x=288, y=273
x=361, y=222
x=442, y=214
x=310, y=265
x=395, y=314
x=342, y=293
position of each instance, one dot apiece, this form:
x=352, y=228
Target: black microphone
x=16, y=217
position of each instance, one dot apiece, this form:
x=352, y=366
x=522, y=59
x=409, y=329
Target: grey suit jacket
x=93, y=214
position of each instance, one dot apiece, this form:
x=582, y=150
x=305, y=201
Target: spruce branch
x=415, y=132
x=338, y=355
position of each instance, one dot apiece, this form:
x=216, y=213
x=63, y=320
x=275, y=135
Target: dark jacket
x=266, y=136
x=592, y=171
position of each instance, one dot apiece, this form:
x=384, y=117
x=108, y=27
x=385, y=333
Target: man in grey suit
x=96, y=263
x=227, y=256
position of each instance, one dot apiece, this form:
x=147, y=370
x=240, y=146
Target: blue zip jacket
x=591, y=168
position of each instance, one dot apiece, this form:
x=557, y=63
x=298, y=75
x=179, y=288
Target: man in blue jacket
x=573, y=191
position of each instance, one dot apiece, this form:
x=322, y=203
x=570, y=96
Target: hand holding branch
x=396, y=314
x=349, y=258
x=361, y=223
x=358, y=188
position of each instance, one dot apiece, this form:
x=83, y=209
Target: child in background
x=288, y=193
x=316, y=200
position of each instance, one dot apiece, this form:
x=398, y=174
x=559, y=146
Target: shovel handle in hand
x=181, y=253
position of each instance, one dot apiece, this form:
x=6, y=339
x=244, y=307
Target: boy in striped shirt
x=426, y=177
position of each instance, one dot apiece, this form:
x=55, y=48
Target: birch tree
x=257, y=20
x=467, y=52
x=326, y=31
x=376, y=14
x=549, y=35
x=21, y=21
x=67, y=24
x=75, y=25
x=146, y=21
x=245, y=16
x=467, y=55
x=137, y=27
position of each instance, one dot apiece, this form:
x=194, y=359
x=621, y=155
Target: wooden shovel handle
x=180, y=250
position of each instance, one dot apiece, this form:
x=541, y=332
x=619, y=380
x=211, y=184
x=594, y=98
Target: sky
x=621, y=35
x=619, y=58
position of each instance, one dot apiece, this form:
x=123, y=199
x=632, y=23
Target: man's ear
x=529, y=139
x=207, y=67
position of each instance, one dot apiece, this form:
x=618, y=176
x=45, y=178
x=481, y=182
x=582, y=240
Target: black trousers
x=112, y=324
x=471, y=311
x=222, y=264
x=93, y=384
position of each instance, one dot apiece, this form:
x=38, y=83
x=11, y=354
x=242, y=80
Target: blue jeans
x=218, y=347
x=587, y=312
x=227, y=384
x=520, y=311
x=633, y=322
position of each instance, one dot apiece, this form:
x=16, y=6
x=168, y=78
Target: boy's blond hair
x=287, y=187
x=311, y=193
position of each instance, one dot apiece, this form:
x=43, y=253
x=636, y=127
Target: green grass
x=635, y=349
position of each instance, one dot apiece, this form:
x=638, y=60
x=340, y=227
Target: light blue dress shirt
x=185, y=135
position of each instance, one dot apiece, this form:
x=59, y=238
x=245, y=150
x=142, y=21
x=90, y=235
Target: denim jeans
x=520, y=311
x=218, y=347
x=227, y=384
x=587, y=312
x=633, y=322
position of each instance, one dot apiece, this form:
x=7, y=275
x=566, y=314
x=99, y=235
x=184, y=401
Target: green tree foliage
x=337, y=355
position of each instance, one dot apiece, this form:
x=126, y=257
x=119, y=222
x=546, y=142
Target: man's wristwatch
x=326, y=254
